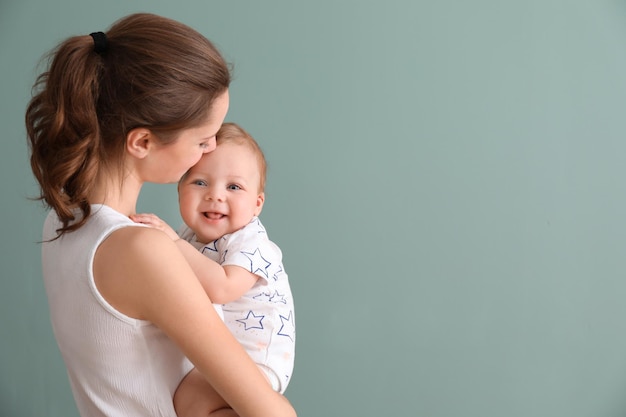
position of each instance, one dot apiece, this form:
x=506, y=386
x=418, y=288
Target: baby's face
x=220, y=194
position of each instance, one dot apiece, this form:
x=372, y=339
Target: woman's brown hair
x=153, y=72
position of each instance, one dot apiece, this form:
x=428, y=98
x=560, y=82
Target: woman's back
x=117, y=365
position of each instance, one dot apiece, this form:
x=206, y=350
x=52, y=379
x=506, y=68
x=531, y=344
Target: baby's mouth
x=213, y=215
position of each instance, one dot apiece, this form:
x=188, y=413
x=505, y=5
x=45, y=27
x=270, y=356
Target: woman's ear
x=139, y=141
x=260, y=199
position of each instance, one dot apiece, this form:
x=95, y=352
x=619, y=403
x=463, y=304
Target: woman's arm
x=154, y=282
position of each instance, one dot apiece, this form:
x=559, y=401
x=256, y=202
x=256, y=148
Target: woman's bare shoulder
x=136, y=240
x=136, y=264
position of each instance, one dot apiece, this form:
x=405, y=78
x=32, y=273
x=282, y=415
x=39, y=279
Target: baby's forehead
x=232, y=159
x=236, y=145
x=228, y=151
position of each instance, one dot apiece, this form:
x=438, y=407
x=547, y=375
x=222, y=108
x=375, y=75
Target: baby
x=220, y=200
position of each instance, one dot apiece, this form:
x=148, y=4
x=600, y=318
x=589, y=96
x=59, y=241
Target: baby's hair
x=231, y=132
x=146, y=71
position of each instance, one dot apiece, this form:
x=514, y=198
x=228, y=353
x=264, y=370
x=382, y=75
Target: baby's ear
x=138, y=142
x=260, y=199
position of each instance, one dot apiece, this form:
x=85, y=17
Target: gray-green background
x=447, y=183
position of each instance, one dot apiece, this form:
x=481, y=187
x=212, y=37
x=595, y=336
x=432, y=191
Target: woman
x=138, y=104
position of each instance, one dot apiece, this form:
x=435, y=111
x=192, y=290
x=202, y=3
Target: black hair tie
x=100, y=42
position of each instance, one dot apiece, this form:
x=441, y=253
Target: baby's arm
x=222, y=284
x=155, y=222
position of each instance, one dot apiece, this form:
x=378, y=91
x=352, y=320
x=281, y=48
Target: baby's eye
x=201, y=183
x=233, y=187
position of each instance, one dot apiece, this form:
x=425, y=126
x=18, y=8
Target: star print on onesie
x=262, y=319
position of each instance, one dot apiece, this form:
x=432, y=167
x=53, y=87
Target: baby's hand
x=155, y=222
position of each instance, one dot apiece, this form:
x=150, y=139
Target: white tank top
x=118, y=366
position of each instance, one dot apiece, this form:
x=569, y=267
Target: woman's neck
x=120, y=194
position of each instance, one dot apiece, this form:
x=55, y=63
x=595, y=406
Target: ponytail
x=62, y=127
